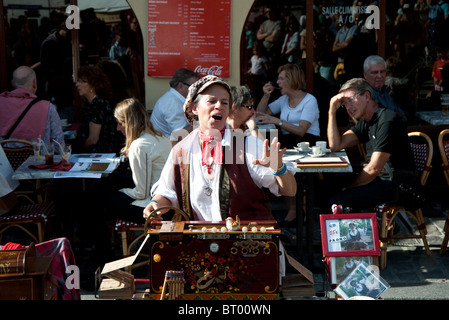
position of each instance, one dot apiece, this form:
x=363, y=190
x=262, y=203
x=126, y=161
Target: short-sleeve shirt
x=306, y=110
x=387, y=133
x=168, y=113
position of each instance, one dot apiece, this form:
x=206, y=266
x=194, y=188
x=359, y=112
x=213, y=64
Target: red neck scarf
x=211, y=151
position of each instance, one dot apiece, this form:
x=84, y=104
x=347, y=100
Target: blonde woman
x=146, y=150
x=117, y=196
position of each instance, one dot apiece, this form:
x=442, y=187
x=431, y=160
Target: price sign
x=193, y=34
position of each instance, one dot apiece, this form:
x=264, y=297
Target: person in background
x=258, y=71
x=290, y=51
x=98, y=129
x=205, y=159
x=42, y=120
x=168, y=115
x=269, y=33
x=438, y=65
x=386, y=132
x=298, y=120
x=375, y=72
x=146, y=150
x=299, y=113
x=243, y=111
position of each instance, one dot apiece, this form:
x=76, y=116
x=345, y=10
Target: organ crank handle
x=178, y=216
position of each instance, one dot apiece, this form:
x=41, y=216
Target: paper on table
x=292, y=158
x=93, y=157
x=60, y=174
x=322, y=160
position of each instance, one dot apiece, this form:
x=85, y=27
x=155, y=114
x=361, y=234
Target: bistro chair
x=443, y=144
x=25, y=216
x=17, y=155
x=422, y=148
x=128, y=229
x=17, y=151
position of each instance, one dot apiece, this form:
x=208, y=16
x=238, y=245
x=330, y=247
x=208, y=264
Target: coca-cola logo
x=213, y=70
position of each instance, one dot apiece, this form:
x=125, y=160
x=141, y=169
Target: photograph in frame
x=363, y=281
x=352, y=234
x=341, y=267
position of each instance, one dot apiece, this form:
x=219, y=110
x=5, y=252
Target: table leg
x=309, y=216
x=299, y=214
x=304, y=214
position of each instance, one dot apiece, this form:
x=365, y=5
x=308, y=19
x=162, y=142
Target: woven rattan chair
x=17, y=155
x=443, y=144
x=17, y=151
x=27, y=216
x=422, y=148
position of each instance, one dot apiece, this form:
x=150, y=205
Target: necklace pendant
x=208, y=191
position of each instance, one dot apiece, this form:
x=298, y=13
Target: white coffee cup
x=304, y=146
x=322, y=145
x=316, y=150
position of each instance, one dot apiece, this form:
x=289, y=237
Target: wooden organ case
x=217, y=262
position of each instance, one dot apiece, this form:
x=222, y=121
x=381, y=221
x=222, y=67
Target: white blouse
x=147, y=155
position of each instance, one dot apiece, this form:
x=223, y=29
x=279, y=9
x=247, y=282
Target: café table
x=309, y=166
x=433, y=117
x=27, y=172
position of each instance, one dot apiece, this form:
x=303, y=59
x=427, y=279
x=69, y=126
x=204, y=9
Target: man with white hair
x=23, y=115
x=375, y=72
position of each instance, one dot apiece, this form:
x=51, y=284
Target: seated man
x=167, y=115
x=42, y=120
x=210, y=183
x=386, y=132
x=375, y=71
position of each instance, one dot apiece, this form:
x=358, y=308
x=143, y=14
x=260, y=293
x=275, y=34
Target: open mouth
x=217, y=117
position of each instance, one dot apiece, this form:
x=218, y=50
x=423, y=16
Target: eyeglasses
x=186, y=84
x=350, y=99
x=250, y=107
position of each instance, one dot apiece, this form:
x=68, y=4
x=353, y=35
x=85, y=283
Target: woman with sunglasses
x=243, y=111
x=298, y=109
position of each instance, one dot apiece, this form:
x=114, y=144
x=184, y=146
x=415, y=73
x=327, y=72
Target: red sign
x=193, y=34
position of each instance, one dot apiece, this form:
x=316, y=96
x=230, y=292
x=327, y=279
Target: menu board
x=193, y=34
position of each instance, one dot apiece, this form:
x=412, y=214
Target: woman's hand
x=268, y=88
x=271, y=157
x=263, y=118
x=156, y=203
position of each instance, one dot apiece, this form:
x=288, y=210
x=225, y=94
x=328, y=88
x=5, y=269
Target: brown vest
x=239, y=195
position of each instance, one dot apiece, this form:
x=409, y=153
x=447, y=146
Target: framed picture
x=345, y=235
x=341, y=267
x=362, y=281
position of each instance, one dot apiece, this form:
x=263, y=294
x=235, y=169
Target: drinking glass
x=66, y=155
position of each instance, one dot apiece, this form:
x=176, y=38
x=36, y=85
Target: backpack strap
x=20, y=118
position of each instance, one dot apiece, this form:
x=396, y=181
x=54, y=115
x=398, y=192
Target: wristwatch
x=280, y=124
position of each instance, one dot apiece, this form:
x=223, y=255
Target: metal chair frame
x=443, y=145
x=389, y=212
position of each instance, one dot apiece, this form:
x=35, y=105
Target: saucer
x=317, y=155
x=300, y=150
